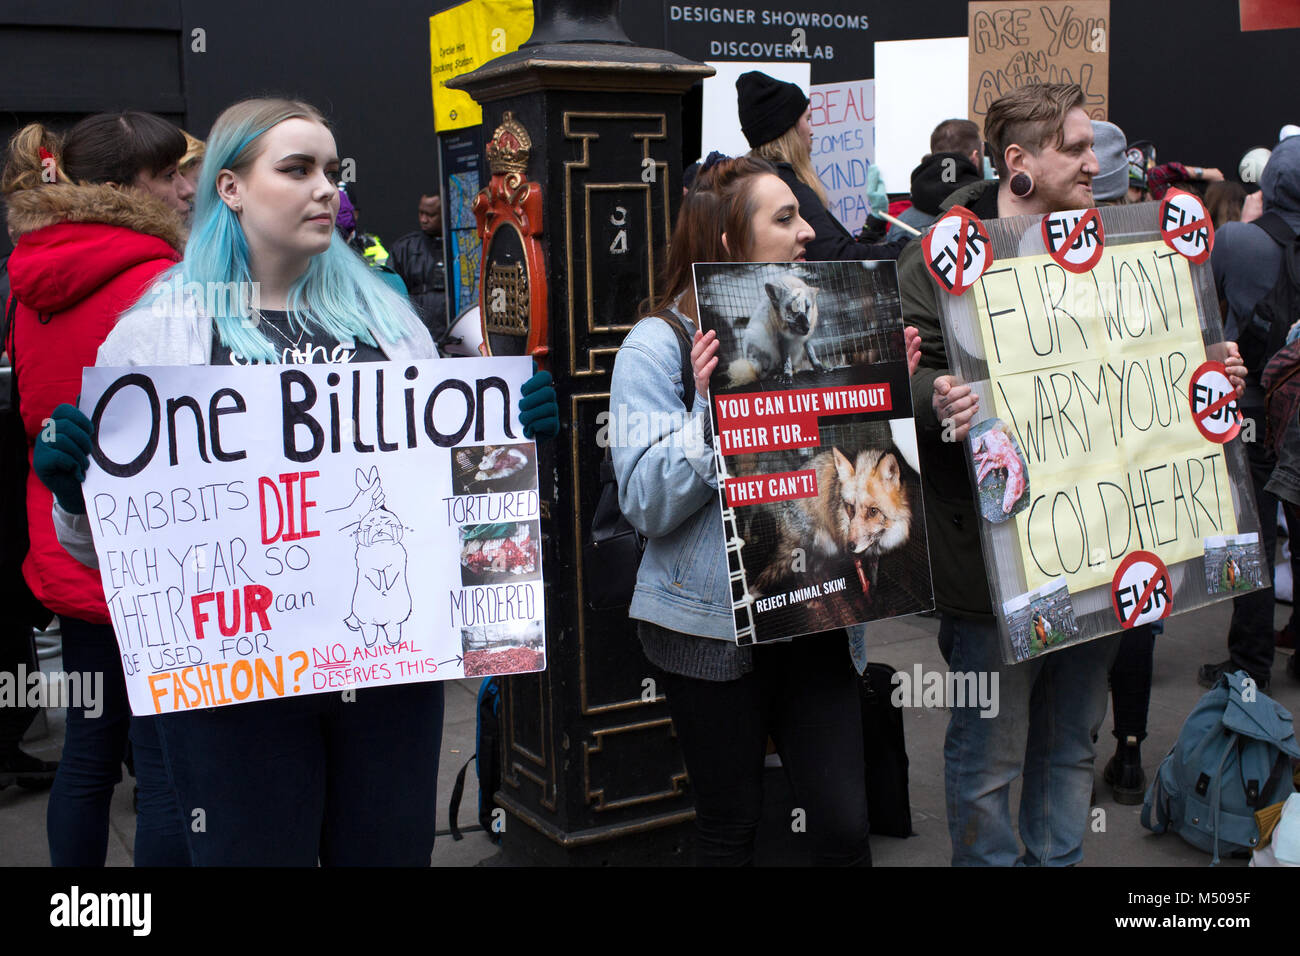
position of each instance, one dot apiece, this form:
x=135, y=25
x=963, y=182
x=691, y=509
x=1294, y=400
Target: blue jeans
x=301, y=780
x=1050, y=708
x=91, y=766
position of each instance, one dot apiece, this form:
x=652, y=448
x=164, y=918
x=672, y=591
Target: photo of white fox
x=777, y=339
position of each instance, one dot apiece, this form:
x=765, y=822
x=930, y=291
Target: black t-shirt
x=298, y=346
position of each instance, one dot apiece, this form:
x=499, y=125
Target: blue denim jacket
x=667, y=486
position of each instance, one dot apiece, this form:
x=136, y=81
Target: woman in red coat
x=97, y=217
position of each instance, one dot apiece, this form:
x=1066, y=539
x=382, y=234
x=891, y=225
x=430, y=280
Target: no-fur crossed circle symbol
x=1185, y=225
x=1214, y=403
x=1142, y=591
x=957, y=250
x=1074, y=239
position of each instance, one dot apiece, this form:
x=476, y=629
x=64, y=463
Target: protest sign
x=818, y=477
x=843, y=121
x=272, y=531
x=460, y=41
x=1185, y=225
x=956, y=251
x=1105, y=457
x=1048, y=42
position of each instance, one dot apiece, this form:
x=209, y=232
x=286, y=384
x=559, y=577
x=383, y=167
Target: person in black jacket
x=955, y=160
x=774, y=117
x=418, y=257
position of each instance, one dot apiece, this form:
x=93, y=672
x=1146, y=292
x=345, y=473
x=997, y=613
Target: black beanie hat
x=768, y=107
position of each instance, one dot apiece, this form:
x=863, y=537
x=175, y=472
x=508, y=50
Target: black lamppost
x=591, y=769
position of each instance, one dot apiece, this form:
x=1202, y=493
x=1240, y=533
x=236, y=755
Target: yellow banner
x=464, y=38
x=1090, y=374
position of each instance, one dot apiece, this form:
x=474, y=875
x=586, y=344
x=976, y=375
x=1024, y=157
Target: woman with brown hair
x=97, y=219
x=725, y=699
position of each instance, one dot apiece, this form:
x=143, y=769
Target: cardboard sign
x=957, y=250
x=279, y=530
x=1055, y=42
x=1107, y=425
x=1142, y=591
x=1214, y=403
x=1075, y=239
x=1185, y=225
x=815, y=445
x=843, y=121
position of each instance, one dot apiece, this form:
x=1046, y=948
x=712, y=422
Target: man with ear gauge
x=1041, y=142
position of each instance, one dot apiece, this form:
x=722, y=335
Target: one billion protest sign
x=273, y=531
x=1107, y=454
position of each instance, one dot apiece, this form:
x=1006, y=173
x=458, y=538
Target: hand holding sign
x=955, y=405
x=1233, y=364
x=704, y=359
x=912, y=344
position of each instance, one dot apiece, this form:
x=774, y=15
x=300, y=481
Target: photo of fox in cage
x=856, y=551
x=802, y=324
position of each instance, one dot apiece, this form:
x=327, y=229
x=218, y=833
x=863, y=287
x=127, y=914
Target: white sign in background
x=280, y=530
x=919, y=84
x=843, y=120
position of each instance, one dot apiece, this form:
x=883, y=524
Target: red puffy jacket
x=84, y=255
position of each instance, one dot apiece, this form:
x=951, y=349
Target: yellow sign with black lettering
x=1090, y=375
x=464, y=38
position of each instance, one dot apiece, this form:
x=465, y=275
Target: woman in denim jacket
x=726, y=700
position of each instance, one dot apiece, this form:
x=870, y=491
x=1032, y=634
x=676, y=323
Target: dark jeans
x=1250, y=636
x=91, y=766
x=805, y=695
x=295, y=781
x=15, y=650
x=1130, y=682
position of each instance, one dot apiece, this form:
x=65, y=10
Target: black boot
x=1124, y=773
x=27, y=771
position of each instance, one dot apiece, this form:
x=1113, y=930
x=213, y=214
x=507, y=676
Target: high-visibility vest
x=375, y=253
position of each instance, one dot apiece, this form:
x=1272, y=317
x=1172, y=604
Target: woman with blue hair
x=298, y=780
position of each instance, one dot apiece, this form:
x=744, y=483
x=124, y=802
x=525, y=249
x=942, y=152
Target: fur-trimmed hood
x=73, y=240
x=32, y=209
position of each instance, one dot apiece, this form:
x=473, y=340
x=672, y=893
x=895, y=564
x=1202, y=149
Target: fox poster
x=815, y=445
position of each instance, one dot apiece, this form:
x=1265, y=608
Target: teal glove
x=876, y=195
x=539, y=413
x=62, y=455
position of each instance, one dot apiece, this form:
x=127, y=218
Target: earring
x=1021, y=185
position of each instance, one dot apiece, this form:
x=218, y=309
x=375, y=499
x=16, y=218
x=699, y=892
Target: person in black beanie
x=774, y=117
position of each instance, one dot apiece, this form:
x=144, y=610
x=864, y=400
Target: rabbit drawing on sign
x=381, y=601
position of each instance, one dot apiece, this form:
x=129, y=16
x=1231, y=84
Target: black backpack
x=1265, y=333
x=613, y=545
